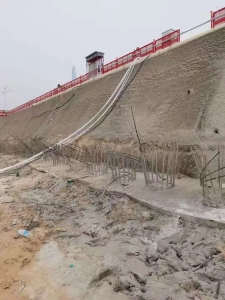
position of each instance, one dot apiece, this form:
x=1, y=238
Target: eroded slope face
x=179, y=90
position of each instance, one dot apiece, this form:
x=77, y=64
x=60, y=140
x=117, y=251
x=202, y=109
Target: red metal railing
x=217, y=17
x=159, y=44
x=162, y=43
x=54, y=92
x=3, y=113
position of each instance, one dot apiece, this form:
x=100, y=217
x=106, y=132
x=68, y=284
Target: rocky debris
x=34, y=223
x=96, y=242
x=214, y=201
x=139, y=296
x=150, y=262
x=151, y=227
x=137, y=267
x=92, y=231
x=148, y=215
x=126, y=284
x=68, y=235
x=117, y=229
x=14, y=222
x=162, y=246
x=119, y=286
x=161, y=291
x=151, y=252
x=102, y=274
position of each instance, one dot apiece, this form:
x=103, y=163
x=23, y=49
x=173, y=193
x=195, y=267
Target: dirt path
x=88, y=246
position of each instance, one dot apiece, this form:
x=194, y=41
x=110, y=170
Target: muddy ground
x=87, y=245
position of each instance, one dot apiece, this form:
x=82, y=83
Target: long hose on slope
x=103, y=111
x=99, y=117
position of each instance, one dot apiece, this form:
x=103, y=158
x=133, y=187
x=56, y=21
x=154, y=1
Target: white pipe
x=90, y=124
x=104, y=112
x=117, y=90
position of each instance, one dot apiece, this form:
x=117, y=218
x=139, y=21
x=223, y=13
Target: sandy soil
x=88, y=246
x=15, y=253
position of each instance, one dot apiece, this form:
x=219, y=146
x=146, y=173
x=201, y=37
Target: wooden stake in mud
x=210, y=176
x=221, y=173
x=118, y=166
x=163, y=167
x=132, y=165
x=172, y=166
x=92, y=161
x=135, y=165
x=126, y=176
x=168, y=165
x=206, y=184
x=196, y=161
x=175, y=168
x=107, y=155
x=203, y=184
x=142, y=151
x=101, y=161
x=219, y=179
x=112, y=166
x=97, y=161
x=156, y=166
x=123, y=168
x=152, y=166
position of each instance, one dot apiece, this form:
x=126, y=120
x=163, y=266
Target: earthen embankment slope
x=181, y=89
x=47, y=121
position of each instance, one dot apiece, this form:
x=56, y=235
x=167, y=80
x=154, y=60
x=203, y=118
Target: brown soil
x=15, y=252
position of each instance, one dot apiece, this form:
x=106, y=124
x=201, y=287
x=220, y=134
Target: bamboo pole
x=175, y=169
x=156, y=166
x=152, y=166
x=207, y=188
x=123, y=163
x=167, y=171
x=163, y=168
x=219, y=173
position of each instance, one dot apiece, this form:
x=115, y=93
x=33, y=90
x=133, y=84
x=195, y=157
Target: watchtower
x=94, y=63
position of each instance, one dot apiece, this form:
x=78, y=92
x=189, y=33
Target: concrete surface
x=184, y=200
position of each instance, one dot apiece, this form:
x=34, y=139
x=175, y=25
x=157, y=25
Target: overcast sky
x=40, y=40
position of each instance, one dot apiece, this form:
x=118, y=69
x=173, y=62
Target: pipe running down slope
x=90, y=125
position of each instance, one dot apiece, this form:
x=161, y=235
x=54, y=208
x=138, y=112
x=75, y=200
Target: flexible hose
x=103, y=112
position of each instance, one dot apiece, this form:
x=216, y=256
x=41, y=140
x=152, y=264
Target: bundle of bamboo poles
x=211, y=171
x=158, y=164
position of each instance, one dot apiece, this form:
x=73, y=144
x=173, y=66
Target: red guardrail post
x=178, y=38
x=153, y=46
x=211, y=19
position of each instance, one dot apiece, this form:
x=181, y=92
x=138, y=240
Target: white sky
x=40, y=40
